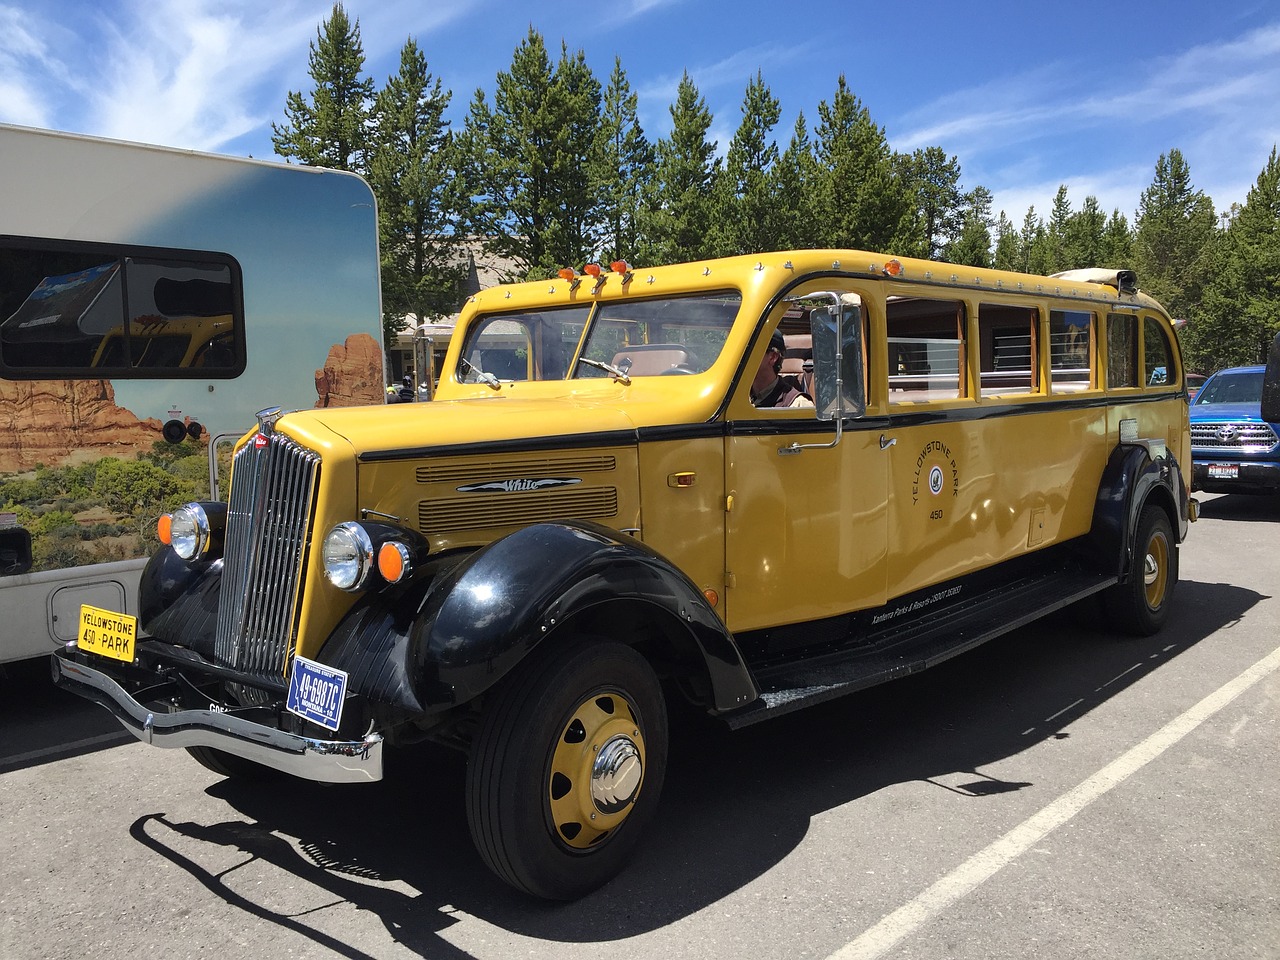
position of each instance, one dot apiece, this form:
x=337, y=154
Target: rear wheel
x=566, y=769
x=1140, y=605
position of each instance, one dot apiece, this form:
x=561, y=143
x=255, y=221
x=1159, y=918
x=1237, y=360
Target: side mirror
x=838, y=388
x=1271, y=384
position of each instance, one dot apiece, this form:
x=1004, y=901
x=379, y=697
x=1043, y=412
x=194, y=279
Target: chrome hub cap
x=596, y=770
x=615, y=775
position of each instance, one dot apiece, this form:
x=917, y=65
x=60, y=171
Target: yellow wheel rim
x=1155, y=570
x=596, y=770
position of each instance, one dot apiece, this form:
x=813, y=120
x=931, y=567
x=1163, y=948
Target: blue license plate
x=316, y=692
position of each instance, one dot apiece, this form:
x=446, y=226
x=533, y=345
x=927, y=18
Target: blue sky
x=1027, y=95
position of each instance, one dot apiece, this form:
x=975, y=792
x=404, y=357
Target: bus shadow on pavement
x=735, y=804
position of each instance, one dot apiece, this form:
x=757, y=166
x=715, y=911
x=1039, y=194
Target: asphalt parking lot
x=1058, y=793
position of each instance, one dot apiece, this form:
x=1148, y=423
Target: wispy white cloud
x=191, y=74
x=1217, y=103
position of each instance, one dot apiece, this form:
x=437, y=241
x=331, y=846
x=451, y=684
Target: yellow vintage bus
x=621, y=496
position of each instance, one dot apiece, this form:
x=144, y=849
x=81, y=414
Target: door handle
x=886, y=442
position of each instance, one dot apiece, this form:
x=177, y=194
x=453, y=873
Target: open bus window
x=1071, y=350
x=926, y=349
x=87, y=311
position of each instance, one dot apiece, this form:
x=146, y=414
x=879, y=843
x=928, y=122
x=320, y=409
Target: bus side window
x=1157, y=357
x=926, y=349
x=1122, y=351
x=1008, y=349
x=1071, y=350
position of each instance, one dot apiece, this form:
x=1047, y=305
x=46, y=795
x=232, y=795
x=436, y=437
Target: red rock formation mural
x=61, y=422
x=352, y=374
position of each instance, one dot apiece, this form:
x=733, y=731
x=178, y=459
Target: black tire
x=229, y=765
x=549, y=814
x=1140, y=605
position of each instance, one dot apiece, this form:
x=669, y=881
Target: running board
x=900, y=649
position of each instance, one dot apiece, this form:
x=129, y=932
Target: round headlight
x=189, y=531
x=348, y=555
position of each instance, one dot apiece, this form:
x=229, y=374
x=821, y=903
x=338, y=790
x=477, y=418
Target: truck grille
x=1243, y=437
x=273, y=488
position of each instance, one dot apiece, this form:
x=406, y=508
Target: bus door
x=806, y=520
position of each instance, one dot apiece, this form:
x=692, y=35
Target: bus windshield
x=641, y=338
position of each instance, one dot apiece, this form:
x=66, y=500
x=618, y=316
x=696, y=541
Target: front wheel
x=1140, y=605
x=566, y=768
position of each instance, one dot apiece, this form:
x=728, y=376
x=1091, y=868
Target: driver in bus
x=769, y=389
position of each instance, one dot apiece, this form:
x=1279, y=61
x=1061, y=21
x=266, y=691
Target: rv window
x=90, y=311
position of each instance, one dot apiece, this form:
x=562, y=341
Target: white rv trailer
x=151, y=301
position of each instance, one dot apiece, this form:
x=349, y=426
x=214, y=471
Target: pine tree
x=330, y=130
x=1117, y=242
x=1240, y=315
x=793, y=180
x=687, y=168
x=973, y=246
x=934, y=180
x=1008, y=255
x=1084, y=239
x=411, y=171
x=1173, y=242
x=746, y=212
x=624, y=171
x=526, y=161
x=862, y=201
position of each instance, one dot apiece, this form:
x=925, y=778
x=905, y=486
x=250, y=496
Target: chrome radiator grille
x=1243, y=436
x=274, y=482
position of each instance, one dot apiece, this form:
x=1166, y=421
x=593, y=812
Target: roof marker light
x=893, y=268
x=570, y=274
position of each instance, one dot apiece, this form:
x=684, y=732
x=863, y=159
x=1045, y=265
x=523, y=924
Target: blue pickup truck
x=1233, y=448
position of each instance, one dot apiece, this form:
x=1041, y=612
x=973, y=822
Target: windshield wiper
x=482, y=376
x=615, y=372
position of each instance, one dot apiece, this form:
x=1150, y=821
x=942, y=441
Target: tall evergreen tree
x=1055, y=237
x=526, y=161
x=1084, y=237
x=933, y=179
x=793, y=179
x=411, y=171
x=624, y=171
x=1241, y=309
x=687, y=168
x=1117, y=242
x=973, y=246
x=330, y=129
x=1173, y=241
x=1008, y=255
x=746, y=212
x=863, y=203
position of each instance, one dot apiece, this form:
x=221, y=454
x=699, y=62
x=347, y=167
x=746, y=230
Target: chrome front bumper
x=327, y=761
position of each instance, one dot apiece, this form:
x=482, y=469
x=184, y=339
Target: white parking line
x=58, y=749
x=911, y=916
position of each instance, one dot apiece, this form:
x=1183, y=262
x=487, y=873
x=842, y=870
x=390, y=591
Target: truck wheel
x=566, y=768
x=1141, y=604
x=229, y=765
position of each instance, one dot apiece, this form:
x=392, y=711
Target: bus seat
x=650, y=359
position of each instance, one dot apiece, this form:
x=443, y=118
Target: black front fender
x=443, y=642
